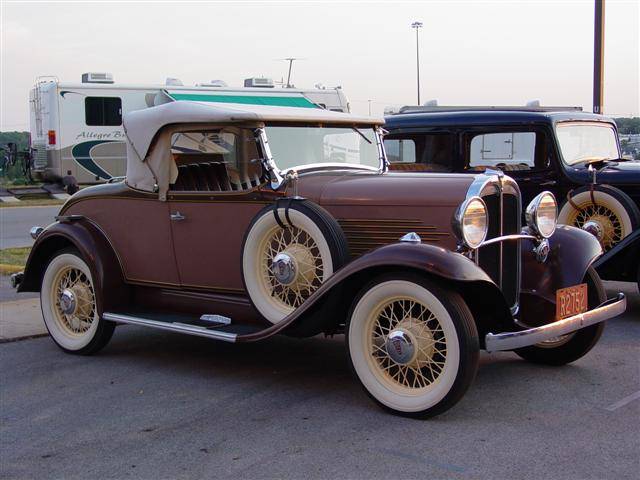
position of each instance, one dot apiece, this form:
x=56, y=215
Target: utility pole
x=598, y=56
x=369, y=107
x=417, y=26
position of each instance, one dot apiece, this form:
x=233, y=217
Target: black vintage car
x=575, y=155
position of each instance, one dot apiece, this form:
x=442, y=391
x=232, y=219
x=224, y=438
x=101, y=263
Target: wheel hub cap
x=594, y=228
x=284, y=268
x=76, y=300
x=68, y=301
x=400, y=347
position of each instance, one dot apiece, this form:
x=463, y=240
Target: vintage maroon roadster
x=237, y=222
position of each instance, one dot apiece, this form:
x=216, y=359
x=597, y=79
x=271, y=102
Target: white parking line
x=624, y=401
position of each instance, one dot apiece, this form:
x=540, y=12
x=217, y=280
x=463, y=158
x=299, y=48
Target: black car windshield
x=582, y=142
x=323, y=146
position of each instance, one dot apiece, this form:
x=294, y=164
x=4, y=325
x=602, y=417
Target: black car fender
x=622, y=261
x=571, y=252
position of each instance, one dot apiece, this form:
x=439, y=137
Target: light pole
x=417, y=26
x=598, y=57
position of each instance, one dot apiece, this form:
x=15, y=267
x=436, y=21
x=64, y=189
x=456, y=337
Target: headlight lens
x=474, y=223
x=542, y=214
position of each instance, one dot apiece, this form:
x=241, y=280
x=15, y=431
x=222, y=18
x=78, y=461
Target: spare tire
x=614, y=212
x=290, y=249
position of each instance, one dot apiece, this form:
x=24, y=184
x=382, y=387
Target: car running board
x=179, y=327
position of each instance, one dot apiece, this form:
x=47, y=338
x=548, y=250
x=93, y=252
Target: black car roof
x=451, y=118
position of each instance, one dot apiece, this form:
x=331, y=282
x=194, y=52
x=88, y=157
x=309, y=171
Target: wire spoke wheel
x=611, y=225
x=69, y=305
x=413, y=345
x=74, y=300
x=407, y=343
x=287, y=254
x=307, y=268
x=602, y=210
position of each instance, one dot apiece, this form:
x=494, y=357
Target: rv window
x=103, y=111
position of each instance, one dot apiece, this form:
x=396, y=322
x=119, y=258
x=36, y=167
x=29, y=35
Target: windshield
x=315, y=146
x=580, y=142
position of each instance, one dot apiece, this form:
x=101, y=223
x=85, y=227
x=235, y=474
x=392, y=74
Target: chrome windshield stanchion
x=384, y=163
x=267, y=161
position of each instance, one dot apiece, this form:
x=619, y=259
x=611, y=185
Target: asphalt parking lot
x=159, y=405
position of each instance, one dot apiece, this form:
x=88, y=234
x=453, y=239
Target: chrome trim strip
x=512, y=340
x=171, y=327
x=506, y=238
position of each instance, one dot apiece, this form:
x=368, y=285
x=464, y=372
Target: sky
x=471, y=52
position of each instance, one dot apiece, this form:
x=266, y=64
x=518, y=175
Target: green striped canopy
x=277, y=99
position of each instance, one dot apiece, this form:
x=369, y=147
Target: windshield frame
x=569, y=123
x=278, y=175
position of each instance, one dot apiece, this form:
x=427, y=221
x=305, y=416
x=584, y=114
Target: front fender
x=621, y=262
x=94, y=248
x=571, y=253
x=482, y=295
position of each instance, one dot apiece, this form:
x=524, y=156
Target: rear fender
x=94, y=248
x=571, y=253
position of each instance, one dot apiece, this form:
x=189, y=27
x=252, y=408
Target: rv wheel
x=290, y=249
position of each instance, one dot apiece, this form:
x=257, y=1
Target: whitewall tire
x=69, y=309
x=615, y=215
x=413, y=346
x=284, y=263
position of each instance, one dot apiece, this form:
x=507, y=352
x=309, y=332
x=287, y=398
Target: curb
x=26, y=337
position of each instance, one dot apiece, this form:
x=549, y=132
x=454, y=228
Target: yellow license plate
x=571, y=301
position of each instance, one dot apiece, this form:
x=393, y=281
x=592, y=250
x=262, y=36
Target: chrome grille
x=501, y=260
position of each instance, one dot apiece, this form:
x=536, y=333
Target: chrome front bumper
x=524, y=338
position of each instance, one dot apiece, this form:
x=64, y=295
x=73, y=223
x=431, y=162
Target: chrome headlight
x=542, y=214
x=471, y=223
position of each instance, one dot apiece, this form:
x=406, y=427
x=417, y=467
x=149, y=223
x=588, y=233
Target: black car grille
x=501, y=260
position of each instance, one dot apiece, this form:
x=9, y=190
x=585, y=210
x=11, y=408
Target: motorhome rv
x=77, y=137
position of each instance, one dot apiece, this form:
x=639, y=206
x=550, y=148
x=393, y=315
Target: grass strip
x=13, y=260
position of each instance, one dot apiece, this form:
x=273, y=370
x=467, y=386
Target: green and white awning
x=275, y=99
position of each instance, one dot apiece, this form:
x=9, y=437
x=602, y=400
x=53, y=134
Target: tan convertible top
x=150, y=166
x=141, y=126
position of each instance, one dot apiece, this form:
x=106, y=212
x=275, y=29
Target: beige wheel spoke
x=74, y=282
x=427, y=336
x=298, y=244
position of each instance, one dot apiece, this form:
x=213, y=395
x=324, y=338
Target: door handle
x=548, y=183
x=177, y=216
